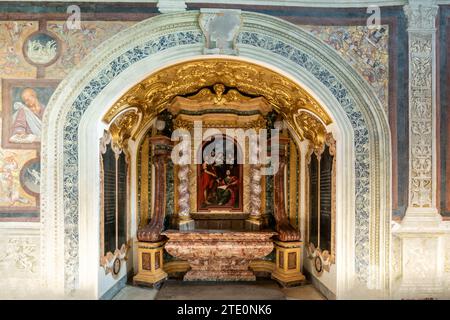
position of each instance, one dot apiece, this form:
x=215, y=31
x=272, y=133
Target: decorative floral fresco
x=33, y=59
x=76, y=44
x=13, y=197
x=365, y=49
x=12, y=60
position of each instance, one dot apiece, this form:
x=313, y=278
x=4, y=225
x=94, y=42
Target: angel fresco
x=9, y=181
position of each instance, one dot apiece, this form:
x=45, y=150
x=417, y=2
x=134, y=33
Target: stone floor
x=259, y=290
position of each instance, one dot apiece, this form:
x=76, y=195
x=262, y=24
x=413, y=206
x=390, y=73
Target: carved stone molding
x=168, y=6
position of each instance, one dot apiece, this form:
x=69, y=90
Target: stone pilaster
x=421, y=17
x=420, y=235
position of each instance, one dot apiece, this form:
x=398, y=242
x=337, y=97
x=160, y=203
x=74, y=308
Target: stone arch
x=73, y=119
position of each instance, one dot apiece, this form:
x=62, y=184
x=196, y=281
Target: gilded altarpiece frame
x=234, y=202
x=193, y=189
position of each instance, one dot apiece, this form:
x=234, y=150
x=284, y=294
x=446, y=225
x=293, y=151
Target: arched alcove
x=73, y=124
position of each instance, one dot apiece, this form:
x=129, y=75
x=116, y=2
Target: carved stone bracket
x=220, y=28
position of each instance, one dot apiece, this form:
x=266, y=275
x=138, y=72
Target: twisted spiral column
x=183, y=193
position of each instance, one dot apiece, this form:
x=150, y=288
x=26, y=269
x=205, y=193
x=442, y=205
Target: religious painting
x=30, y=177
x=24, y=103
x=41, y=48
x=19, y=185
x=219, y=176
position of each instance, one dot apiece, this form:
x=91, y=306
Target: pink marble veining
x=219, y=255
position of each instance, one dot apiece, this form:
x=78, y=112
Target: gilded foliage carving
x=155, y=93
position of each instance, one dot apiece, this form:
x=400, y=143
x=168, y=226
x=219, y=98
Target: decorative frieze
x=20, y=256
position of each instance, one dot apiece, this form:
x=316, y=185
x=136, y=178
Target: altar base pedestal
x=219, y=275
x=219, y=255
x=287, y=265
x=150, y=257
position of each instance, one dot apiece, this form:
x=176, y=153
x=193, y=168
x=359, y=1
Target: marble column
x=185, y=222
x=420, y=235
x=286, y=232
x=161, y=148
x=254, y=222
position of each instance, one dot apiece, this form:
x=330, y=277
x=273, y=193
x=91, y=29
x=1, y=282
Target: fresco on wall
x=26, y=46
x=366, y=50
x=12, y=61
x=13, y=196
x=41, y=48
x=24, y=103
x=30, y=177
x=76, y=44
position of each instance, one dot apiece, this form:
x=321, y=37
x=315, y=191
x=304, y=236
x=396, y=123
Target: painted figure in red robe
x=208, y=180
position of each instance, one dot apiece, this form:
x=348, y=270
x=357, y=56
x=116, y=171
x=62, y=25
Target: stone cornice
x=290, y=3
